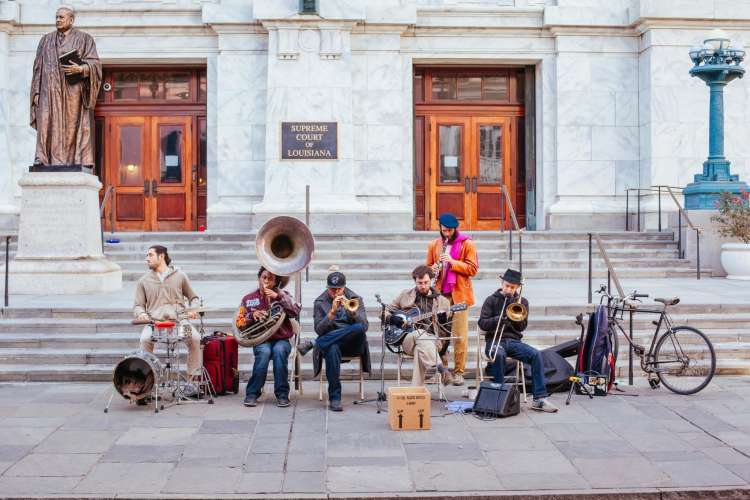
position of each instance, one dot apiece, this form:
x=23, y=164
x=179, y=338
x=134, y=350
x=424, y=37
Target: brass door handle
x=466, y=184
x=154, y=189
x=145, y=189
x=474, y=184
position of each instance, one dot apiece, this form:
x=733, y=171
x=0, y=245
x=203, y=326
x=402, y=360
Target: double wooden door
x=150, y=162
x=469, y=161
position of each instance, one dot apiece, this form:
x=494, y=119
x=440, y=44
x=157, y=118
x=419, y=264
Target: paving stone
x=264, y=462
x=13, y=453
x=700, y=440
x=273, y=430
x=142, y=454
x=158, y=437
x=577, y=433
x=24, y=436
x=58, y=464
x=363, y=479
x=530, y=462
x=726, y=456
x=307, y=443
x=365, y=461
x=620, y=472
x=656, y=441
x=227, y=427
x=260, y=482
x=597, y=449
x=58, y=410
x=699, y=473
x=444, y=476
x=106, y=478
x=496, y=438
x=269, y=445
x=360, y=444
x=37, y=485
x=197, y=479
x=543, y=482
x=304, y=482
x=740, y=470
x=5, y=466
x=442, y=432
x=55, y=422
x=298, y=462
x=56, y=396
x=734, y=438
x=78, y=442
x=443, y=452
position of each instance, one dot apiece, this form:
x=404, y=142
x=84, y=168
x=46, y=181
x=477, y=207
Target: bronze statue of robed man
x=67, y=76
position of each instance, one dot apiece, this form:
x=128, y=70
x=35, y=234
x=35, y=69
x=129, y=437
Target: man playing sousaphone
x=423, y=343
x=256, y=307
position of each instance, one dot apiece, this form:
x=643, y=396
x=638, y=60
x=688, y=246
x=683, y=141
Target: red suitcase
x=220, y=359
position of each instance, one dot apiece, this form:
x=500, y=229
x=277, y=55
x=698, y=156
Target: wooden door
x=490, y=170
x=450, y=170
x=150, y=165
x=172, y=173
x=470, y=159
x=128, y=170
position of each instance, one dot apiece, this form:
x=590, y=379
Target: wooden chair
x=344, y=359
x=520, y=377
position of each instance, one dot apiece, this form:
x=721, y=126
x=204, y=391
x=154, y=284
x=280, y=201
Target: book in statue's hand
x=71, y=57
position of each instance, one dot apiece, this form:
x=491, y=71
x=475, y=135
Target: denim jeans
x=521, y=352
x=278, y=350
x=348, y=341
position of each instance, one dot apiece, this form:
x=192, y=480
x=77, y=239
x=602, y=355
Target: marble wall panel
x=342, y=105
x=384, y=142
x=626, y=109
x=671, y=66
x=234, y=144
x=614, y=143
x=384, y=71
x=679, y=104
x=671, y=140
x=573, y=143
x=369, y=42
x=360, y=142
x=616, y=74
x=585, y=178
x=379, y=178
x=586, y=108
x=590, y=44
x=384, y=107
x=645, y=133
x=574, y=72
x=668, y=8
x=731, y=9
x=240, y=178
x=627, y=174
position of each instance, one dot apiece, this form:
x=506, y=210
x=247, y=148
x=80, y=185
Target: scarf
x=449, y=283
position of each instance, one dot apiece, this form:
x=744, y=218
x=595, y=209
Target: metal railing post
x=660, y=209
x=639, y=210
x=520, y=252
x=7, y=262
x=510, y=245
x=680, y=254
x=590, y=296
x=307, y=223
x=609, y=281
x=627, y=209
x=698, y=253
x=630, y=352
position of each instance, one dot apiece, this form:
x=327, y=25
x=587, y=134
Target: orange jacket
x=466, y=267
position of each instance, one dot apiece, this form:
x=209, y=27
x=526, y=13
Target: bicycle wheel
x=684, y=360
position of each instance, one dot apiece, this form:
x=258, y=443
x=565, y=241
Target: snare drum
x=164, y=331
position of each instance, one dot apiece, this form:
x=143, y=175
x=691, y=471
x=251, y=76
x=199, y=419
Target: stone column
x=8, y=218
x=59, y=237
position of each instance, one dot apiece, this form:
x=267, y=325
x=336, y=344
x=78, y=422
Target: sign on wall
x=309, y=141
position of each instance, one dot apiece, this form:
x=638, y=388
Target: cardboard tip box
x=409, y=408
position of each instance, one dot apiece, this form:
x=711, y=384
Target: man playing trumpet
x=255, y=307
x=341, y=324
x=499, y=327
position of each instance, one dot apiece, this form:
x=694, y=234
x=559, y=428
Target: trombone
x=515, y=311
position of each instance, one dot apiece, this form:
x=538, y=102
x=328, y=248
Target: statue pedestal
x=59, y=237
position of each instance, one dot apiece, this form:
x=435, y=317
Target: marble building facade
x=614, y=104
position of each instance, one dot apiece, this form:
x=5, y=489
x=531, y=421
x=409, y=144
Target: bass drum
x=136, y=375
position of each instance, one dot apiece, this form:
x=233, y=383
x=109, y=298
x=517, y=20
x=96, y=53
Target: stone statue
x=63, y=94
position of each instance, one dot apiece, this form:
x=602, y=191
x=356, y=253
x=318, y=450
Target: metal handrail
x=506, y=197
x=656, y=188
x=102, y=207
x=7, y=236
x=698, y=231
x=611, y=273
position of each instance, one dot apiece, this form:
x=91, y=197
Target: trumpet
x=515, y=311
x=351, y=305
x=440, y=265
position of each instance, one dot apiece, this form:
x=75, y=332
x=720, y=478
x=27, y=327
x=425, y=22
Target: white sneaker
x=543, y=404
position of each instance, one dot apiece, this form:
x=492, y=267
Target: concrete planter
x=735, y=258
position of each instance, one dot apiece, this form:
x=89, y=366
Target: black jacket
x=492, y=311
x=322, y=326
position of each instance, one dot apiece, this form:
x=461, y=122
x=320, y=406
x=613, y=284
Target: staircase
x=391, y=256
x=84, y=345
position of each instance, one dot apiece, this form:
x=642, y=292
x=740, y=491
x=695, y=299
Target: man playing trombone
x=504, y=333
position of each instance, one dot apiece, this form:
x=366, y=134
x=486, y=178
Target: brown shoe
x=458, y=379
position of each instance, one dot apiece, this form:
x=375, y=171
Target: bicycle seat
x=669, y=302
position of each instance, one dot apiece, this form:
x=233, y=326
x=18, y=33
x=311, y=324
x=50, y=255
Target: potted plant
x=734, y=222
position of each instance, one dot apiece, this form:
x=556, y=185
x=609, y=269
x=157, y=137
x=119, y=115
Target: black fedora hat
x=511, y=276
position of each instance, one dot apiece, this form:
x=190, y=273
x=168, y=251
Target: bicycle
x=681, y=357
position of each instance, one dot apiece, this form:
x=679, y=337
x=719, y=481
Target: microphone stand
x=378, y=400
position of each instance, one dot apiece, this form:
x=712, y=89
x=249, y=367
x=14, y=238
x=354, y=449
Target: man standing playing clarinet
x=453, y=258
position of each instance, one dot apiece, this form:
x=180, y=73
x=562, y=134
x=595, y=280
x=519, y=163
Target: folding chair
x=520, y=377
x=295, y=374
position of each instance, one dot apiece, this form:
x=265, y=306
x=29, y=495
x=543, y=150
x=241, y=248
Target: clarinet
x=440, y=265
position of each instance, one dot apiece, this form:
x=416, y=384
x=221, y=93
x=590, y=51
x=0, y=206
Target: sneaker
x=543, y=404
x=335, y=405
x=305, y=346
x=282, y=402
x=190, y=390
x=250, y=401
x=458, y=379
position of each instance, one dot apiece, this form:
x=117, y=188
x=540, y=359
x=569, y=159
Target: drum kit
x=143, y=378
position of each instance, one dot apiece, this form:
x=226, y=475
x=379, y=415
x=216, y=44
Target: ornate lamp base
x=703, y=195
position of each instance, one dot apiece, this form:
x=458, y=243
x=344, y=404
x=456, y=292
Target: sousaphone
x=284, y=246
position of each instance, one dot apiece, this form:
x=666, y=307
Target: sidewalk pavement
x=56, y=441
x=538, y=291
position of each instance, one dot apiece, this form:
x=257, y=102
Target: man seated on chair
x=160, y=296
x=341, y=332
x=255, y=307
x=423, y=341
x=493, y=311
